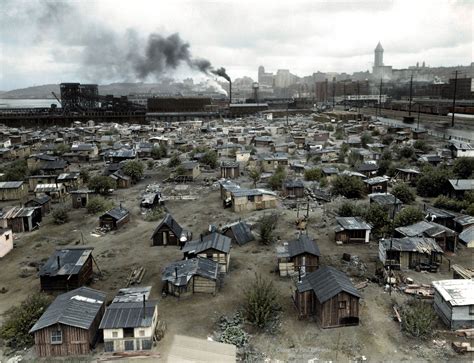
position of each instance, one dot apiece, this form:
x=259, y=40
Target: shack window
x=7, y=237
x=141, y=333
x=109, y=346
x=128, y=332
x=56, y=337
x=471, y=309
x=251, y=198
x=114, y=334
x=129, y=345
x=342, y=304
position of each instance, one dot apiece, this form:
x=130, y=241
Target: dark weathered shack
x=191, y=276
x=352, y=230
x=70, y=325
x=238, y=232
x=67, y=269
x=214, y=246
x=168, y=232
x=298, y=257
x=114, y=218
x=328, y=295
x=42, y=201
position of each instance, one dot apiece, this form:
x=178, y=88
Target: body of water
x=25, y=103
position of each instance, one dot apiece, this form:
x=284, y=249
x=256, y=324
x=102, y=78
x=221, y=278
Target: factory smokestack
x=222, y=73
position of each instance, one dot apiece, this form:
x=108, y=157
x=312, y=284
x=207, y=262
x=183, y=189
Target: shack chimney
x=144, y=306
x=176, y=273
x=200, y=236
x=59, y=263
x=299, y=274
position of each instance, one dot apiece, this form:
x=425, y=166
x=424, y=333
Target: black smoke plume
x=221, y=73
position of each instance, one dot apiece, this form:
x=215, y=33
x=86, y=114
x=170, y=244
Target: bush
x=348, y=186
x=418, y=319
x=210, y=158
x=20, y=319
x=407, y=216
x=276, y=180
x=377, y=216
x=407, y=152
x=155, y=214
x=232, y=331
x=422, y=145
x=61, y=149
x=314, y=174
x=463, y=168
x=85, y=176
x=60, y=215
x=433, y=182
x=349, y=209
x=365, y=139
x=261, y=303
x=134, y=169
x=255, y=175
x=174, y=161
x=403, y=192
x=266, y=226
x=101, y=184
x=16, y=171
x=158, y=152
x=98, y=205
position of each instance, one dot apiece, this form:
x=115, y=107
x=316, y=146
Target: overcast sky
x=51, y=42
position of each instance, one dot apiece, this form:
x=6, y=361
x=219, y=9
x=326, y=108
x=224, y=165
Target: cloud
x=107, y=40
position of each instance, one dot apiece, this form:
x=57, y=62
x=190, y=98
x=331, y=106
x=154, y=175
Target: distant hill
x=43, y=91
x=116, y=89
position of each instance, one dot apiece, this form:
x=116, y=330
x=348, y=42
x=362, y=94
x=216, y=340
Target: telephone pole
x=333, y=92
x=454, y=97
x=411, y=93
x=358, y=98
x=380, y=97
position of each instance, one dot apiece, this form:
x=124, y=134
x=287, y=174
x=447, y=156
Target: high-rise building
x=264, y=79
x=378, y=55
x=380, y=71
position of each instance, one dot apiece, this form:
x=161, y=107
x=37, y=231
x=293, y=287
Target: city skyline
x=311, y=37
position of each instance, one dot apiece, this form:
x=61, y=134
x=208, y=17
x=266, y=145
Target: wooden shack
x=43, y=202
x=214, y=246
x=80, y=198
x=376, y=184
x=329, y=296
x=230, y=169
x=352, y=230
x=13, y=190
x=239, y=232
x=21, y=219
x=67, y=269
x=70, y=325
x=186, y=277
x=293, y=189
x=298, y=257
x=169, y=232
x=114, y=218
x=419, y=253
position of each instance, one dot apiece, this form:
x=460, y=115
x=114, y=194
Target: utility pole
x=344, y=94
x=380, y=97
x=358, y=98
x=333, y=92
x=411, y=93
x=287, y=105
x=418, y=124
x=454, y=96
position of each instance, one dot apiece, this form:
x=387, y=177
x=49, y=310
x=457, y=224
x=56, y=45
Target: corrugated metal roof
x=384, y=198
x=326, y=283
x=132, y=294
x=116, y=213
x=412, y=244
x=10, y=184
x=303, y=244
x=459, y=292
x=215, y=241
x=352, y=223
x=128, y=315
x=76, y=308
x=17, y=212
x=462, y=184
x=241, y=232
x=180, y=272
x=71, y=261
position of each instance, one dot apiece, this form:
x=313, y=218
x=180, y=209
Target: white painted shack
x=454, y=302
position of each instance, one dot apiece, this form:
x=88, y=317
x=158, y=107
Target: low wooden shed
x=70, y=325
x=66, y=269
x=196, y=275
x=329, y=296
x=114, y=218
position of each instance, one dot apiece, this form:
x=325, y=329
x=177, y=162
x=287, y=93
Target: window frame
x=342, y=305
x=56, y=337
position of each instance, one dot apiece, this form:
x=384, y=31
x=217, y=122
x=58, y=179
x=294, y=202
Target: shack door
x=165, y=238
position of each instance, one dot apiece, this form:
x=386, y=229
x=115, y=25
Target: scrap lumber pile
x=424, y=291
x=467, y=333
x=136, y=276
x=462, y=347
x=127, y=356
x=159, y=331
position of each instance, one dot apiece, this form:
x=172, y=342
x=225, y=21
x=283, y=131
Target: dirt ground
x=378, y=337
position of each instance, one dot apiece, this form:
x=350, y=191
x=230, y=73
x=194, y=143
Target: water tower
x=255, y=91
